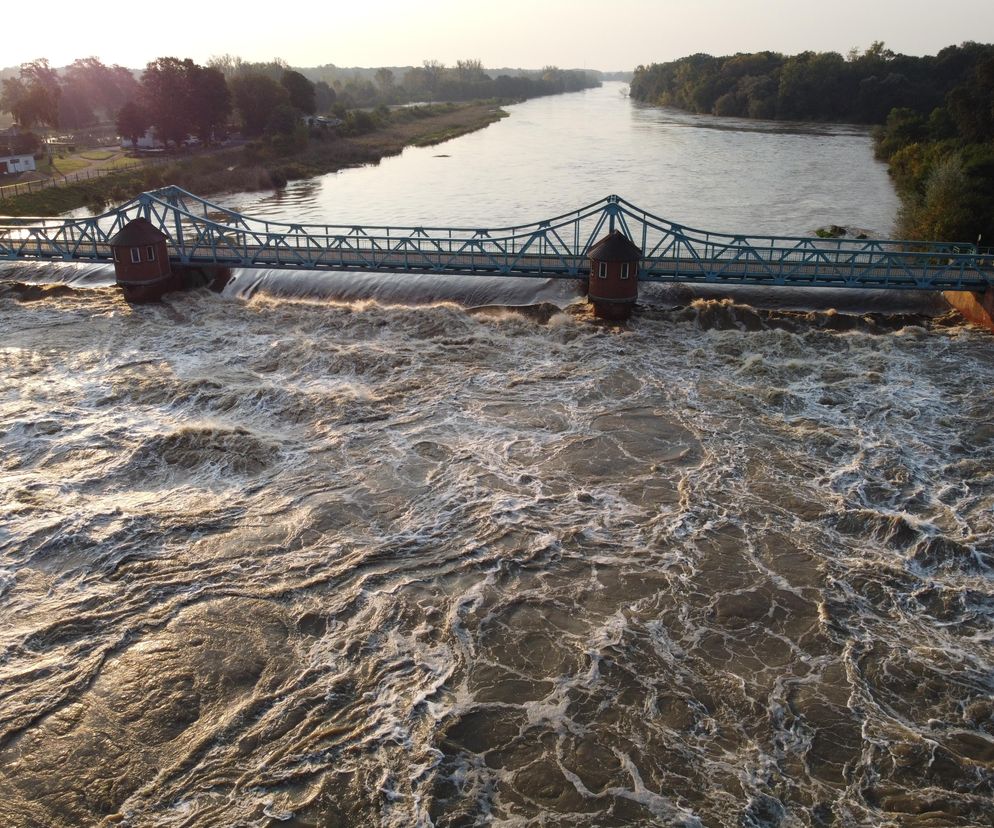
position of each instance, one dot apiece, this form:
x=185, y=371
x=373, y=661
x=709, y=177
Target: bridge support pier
x=141, y=261
x=613, y=285
x=144, y=272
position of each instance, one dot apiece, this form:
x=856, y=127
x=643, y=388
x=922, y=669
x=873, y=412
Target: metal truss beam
x=201, y=232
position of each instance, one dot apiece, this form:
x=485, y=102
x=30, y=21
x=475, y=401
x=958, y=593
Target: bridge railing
x=203, y=232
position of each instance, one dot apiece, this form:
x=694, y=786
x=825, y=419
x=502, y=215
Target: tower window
x=150, y=254
x=136, y=255
x=602, y=270
x=624, y=270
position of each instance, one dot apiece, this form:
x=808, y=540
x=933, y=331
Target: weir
x=201, y=234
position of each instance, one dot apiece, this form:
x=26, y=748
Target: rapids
x=340, y=551
x=283, y=562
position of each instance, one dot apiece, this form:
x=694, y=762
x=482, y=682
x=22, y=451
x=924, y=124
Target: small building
x=141, y=261
x=613, y=284
x=150, y=140
x=24, y=162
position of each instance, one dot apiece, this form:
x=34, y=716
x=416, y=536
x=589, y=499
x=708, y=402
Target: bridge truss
x=203, y=233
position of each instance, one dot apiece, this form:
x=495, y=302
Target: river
x=316, y=555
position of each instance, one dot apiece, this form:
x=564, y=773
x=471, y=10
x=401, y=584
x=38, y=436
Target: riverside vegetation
x=270, y=104
x=269, y=163
x=934, y=117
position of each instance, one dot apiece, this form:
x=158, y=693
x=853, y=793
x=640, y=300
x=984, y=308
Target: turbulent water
x=397, y=561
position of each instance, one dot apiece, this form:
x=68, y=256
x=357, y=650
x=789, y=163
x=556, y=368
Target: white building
x=147, y=141
x=16, y=163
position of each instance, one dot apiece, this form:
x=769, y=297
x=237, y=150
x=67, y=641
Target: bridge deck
x=660, y=269
x=201, y=233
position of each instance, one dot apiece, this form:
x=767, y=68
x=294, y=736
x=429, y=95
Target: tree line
x=942, y=161
x=934, y=117
x=79, y=95
x=434, y=81
x=180, y=98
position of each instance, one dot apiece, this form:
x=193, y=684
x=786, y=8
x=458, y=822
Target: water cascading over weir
x=158, y=239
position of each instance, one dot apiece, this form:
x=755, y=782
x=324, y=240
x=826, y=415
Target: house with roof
x=21, y=162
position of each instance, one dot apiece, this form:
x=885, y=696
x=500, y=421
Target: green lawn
x=122, y=161
x=69, y=165
x=98, y=155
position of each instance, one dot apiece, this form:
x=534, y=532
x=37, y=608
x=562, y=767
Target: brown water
x=267, y=561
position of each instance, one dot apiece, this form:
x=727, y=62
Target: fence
x=21, y=188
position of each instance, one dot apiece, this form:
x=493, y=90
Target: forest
x=933, y=117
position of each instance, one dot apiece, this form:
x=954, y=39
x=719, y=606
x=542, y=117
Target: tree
x=21, y=144
x=324, y=97
x=873, y=60
x=903, y=127
x=210, y=102
x=417, y=82
x=971, y=105
x=233, y=67
x=384, y=79
x=434, y=70
x=272, y=69
x=83, y=85
x=90, y=86
x=14, y=99
x=33, y=97
x=167, y=85
x=182, y=97
x=941, y=214
x=814, y=85
x=300, y=90
x=229, y=65
x=75, y=112
x=256, y=96
x=125, y=88
x=43, y=81
x=362, y=92
x=132, y=121
x=283, y=120
x=470, y=71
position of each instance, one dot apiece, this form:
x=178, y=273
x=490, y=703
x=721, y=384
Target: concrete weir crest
x=611, y=243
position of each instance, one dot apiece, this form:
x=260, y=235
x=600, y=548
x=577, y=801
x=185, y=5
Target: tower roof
x=616, y=247
x=137, y=232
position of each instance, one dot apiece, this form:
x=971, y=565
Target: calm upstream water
x=370, y=558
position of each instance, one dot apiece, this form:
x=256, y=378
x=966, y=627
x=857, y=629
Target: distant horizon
x=526, y=34
x=343, y=67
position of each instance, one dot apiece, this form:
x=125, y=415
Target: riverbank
x=266, y=165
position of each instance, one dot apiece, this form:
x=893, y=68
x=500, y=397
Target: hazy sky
x=617, y=34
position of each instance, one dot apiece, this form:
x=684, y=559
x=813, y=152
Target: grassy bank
x=268, y=164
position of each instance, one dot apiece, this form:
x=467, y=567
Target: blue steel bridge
x=205, y=234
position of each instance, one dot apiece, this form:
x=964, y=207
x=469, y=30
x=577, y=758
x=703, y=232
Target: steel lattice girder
x=204, y=233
